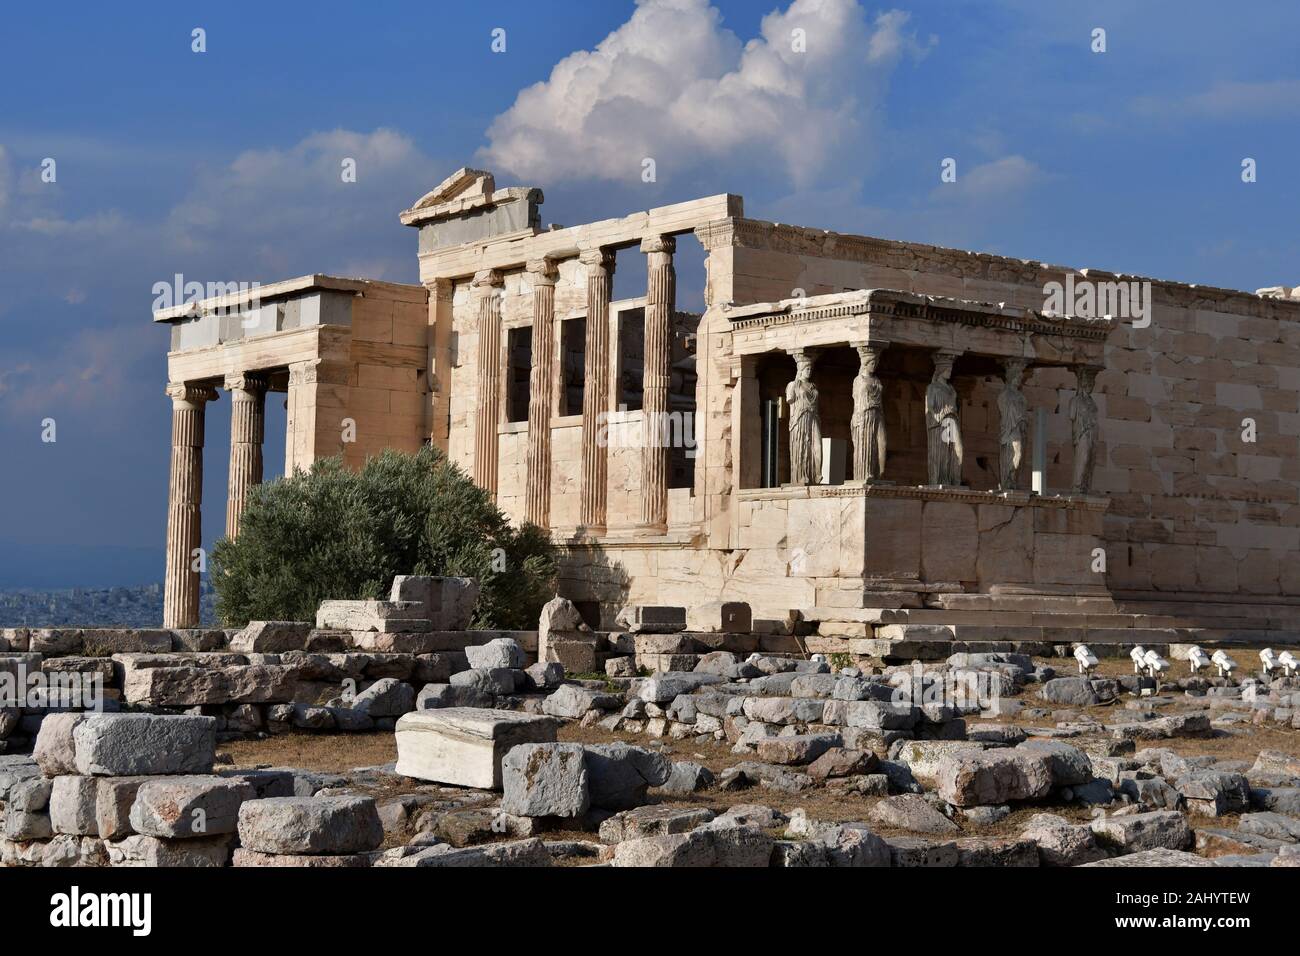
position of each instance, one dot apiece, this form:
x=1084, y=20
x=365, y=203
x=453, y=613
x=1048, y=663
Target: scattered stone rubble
x=930, y=751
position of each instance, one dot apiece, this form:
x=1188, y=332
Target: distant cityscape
x=139, y=606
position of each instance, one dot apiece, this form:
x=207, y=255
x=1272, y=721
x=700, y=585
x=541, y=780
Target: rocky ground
x=1063, y=770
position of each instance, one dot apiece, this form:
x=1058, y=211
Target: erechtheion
x=852, y=422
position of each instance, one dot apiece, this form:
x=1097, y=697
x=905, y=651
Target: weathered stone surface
x=925, y=757
x=910, y=811
x=993, y=851
x=703, y=847
x=124, y=745
x=573, y=700
x=1070, y=765
x=731, y=617
x=1212, y=793
x=434, y=696
x=619, y=774
x=920, y=852
x=545, y=675
x=854, y=845
x=1070, y=691
x=55, y=751
x=1157, y=857
x=653, y=820
x=272, y=637
x=465, y=745
x=559, y=620
x=114, y=797
x=994, y=777
x=387, y=697
x=501, y=652
x=663, y=688
x=1166, y=829
x=447, y=601
x=796, y=749
x=651, y=619
x=311, y=825
x=195, y=686
x=189, y=807
x=842, y=762
x=1275, y=761
x=686, y=777
x=516, y=853
x=72, y=806
x=138, y=850
x=251, y=858
x=1062, y=843
x=545, y=780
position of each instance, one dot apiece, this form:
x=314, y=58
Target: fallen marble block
x=465, y=745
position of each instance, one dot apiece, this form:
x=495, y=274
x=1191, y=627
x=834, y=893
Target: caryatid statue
x=1083, y=419
x=943, y=426
x=1013, y=435
x=868, y=417
x=805, y=427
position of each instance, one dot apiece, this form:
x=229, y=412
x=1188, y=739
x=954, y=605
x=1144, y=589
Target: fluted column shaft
x=184, y=500
x=537, y=491
x=595, y=391
x=661, y=295
x=247, y=428
x=488, y=285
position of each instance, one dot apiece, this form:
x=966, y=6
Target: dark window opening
x=573, y=358
x=519, y=352
x=631, y=359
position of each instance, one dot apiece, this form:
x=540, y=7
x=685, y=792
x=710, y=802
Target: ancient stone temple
x=851, y=423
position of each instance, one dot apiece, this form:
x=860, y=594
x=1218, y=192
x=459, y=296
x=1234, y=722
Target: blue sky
x=223, y=166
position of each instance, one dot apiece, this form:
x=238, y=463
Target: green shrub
x=332, y=533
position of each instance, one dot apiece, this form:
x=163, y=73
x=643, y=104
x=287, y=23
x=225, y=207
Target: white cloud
x=1228, y=100
x=673, y=84
x=997, y=180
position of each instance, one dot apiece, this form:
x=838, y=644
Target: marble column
x=541, y=389
x=661, y=296
x=595, y=391
x=488, y=285
x=184, y=498
x=247, y=428
x=868, y=416
x=1083, y=422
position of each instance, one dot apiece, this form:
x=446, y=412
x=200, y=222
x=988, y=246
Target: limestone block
x=383, y=616
x=186, y=807
x=465, y=745
x=55, y=751
x=712, y=617
x=72, y=805
x=272, y=637
x=194, y=686
x=447, y=601
x=247, y=858
x=310, y=825
x=114, y=797
x=147, y=851
x=652, y=619
x=498, y=653
x=545, y=780
x=123, y=745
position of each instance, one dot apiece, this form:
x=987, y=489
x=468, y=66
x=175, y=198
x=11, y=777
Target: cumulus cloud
x=675, y=85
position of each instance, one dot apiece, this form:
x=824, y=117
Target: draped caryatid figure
x=805, y=426
x=1013, y=432
x=868, y=417
x=943, y=425
x=1083, y=420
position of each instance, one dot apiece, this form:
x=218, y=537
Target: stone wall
x=1195, y=511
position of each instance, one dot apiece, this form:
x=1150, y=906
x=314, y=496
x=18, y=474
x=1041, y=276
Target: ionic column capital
x=665, y=244
x=250, y=382
x=542, y=271
x=188, y=393
x=1085, y=377
x=488, y=279
x=598, y=257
